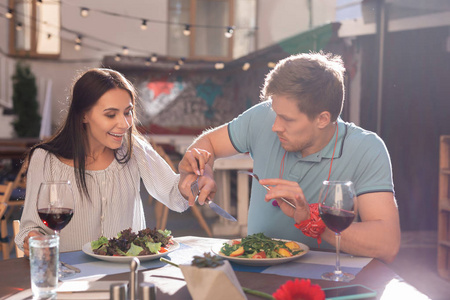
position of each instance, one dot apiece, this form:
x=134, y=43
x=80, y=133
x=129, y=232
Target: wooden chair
x=162, y=211
x=16, y=228
x=5, y=193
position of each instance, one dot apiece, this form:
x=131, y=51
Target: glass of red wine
x=55, y=206
x=337, y=208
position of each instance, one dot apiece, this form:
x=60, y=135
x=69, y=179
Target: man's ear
x=323, y=119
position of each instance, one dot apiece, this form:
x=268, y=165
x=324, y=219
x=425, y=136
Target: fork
x=265, y=186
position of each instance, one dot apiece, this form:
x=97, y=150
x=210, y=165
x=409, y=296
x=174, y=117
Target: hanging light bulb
x=38, y=2
x=19, y=26
x=177, y=66
x=84, y=12
x=246, y=66
x=9, y=13
x=147, y=62
x=181, y=61
x=229, y=32
x=125, y=50
x=77, y=46
x=271, y=64
x=117, y=58
x=187, y=30
x=144, y=25
x=154, y=58
x=219, y=66
x=78, y=39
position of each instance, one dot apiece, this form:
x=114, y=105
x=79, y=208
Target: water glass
x=44, y=265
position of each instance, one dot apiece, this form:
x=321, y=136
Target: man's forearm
x=376, y=239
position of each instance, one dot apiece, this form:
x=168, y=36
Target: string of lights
x=80, y=37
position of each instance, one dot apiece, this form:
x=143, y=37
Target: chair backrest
x=16, y=227
x=21, y=178
x=5, y=191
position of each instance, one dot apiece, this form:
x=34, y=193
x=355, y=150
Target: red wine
x=336, y=219
x=55, y=218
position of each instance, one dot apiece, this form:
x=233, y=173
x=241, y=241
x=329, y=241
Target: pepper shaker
x=118, y=291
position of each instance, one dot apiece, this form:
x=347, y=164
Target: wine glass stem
x=338, y=261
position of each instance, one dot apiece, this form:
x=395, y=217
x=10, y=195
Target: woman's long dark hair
x=70, y=141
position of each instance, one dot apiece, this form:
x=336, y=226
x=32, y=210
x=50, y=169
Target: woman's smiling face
x=109, y=119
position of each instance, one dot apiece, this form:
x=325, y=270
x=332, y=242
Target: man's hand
x=194, y=161
x=26, y=244
x=291, y=191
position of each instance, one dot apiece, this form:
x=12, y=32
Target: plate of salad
x=146, y=244
x=260, y=250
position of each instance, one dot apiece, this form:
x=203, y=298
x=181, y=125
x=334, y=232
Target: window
x=197, y=28
x=34, y=28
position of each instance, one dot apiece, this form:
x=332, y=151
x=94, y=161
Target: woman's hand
x=206, y=186
x=26, y=244
x=291, y=191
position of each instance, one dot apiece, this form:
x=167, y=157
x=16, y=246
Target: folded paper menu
x=219, y=283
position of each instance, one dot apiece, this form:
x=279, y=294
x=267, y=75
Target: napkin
x=218, y=283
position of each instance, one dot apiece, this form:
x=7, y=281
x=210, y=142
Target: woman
x=99, y=150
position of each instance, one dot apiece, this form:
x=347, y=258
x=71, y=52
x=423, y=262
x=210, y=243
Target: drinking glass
x=44, y=266
x=55, y=206
x=337, y=208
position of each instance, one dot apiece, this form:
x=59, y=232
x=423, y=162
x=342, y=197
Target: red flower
x=299, y=290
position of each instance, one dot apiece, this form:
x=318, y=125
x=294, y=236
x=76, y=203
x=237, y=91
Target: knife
x=75, y=269
x=216, y=208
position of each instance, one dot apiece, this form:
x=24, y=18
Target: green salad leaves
x=260, y=246
x=127, y=243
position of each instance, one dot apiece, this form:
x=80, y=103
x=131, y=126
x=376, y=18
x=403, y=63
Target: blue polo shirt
x=360, y=156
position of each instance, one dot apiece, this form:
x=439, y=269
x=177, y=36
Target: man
x=297, y=141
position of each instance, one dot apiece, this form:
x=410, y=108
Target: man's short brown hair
x=315, y=80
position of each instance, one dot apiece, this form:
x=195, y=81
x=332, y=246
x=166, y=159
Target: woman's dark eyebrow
x=116, y=109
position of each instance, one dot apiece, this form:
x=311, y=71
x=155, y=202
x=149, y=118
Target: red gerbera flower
x=299, y=290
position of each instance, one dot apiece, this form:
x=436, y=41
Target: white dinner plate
x=125, y=259
x=259, y=261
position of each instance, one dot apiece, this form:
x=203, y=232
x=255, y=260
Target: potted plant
x=25, y=104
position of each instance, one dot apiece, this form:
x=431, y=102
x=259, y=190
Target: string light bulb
x=125, y=50
x=78, y=38
x=246, y=66
x=117, y=57
x=84, y=12
x=147, y=62
x=38, y=2
x=154, y=58
x=9, y=13
x=187, y=30
x=77, y=46
x=219, y=66
x=181, y=61
x=144, y=25
x=271, y=64
x=19, y=26
x=229, y=32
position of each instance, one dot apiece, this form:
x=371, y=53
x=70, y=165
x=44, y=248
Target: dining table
x=170, y=283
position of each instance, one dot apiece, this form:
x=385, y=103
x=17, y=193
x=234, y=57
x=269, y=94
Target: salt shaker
x=147, y=291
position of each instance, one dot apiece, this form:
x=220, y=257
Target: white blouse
x=115, y=203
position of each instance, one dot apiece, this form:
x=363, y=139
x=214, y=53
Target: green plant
x=25, y=104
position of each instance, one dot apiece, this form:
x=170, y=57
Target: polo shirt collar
x=327, y=151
